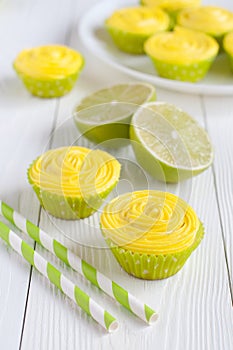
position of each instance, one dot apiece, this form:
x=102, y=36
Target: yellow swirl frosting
x=75, y=172
x=48, y=62
x=150, y=222
x=182, y=46
x=139, y=20
x=228, y=43
x=171, y=5
x=212, y=20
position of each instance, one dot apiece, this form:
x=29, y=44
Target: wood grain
x=195, y=305
x=26, y=123
x=219, y=115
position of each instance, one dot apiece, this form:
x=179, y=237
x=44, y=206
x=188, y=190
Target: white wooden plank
x=16, y=155
x=220, y=123
x=25, y=124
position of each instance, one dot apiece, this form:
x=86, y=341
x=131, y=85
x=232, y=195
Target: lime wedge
x=168, y=143
x=106, y=114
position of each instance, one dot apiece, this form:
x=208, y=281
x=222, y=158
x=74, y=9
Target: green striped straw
x=89, y=272
x=86, y=303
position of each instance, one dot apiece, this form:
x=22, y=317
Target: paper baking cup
x=153, y=267
x=49, y=88
x=70, y=208
x=231, y=61
x=66, y=207
x=191, y=72
x=128, y=42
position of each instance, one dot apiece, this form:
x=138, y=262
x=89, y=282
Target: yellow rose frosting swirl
x=182, y=46
x=75, y=171
x=139, y=20
x=48, y=62
x=228, y=43
x=150, y=222
x=171, y=5
x=213, y=20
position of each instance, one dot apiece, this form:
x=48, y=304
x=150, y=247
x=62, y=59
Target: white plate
x=219, y=80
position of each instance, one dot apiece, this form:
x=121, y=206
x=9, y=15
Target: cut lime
x=106, y=114
x=169, y=144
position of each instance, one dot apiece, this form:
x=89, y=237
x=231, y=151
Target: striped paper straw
x=89, y=272
x=86, y=303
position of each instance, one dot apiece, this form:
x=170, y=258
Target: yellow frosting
x=183, y=46
x=75, y=171
x=139, y=20
x=228, y=43
x=171, y=5
x=48, y=62
x=213, y=20
x=150, y=222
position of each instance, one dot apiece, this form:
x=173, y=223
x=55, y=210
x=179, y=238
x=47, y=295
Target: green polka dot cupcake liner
x=49, y=88
x=153, y=267
x=69, y=208
x=230, y=59
x=190, y=73
x=228, y=49
x=231, y=62
x=126, y=41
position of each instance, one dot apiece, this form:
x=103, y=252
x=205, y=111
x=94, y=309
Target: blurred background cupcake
x=211, y=20
x=228, y=47
x=130, y=27
x=172, y=7
x=49, y=71
x=183, y=54
x=151, y=233
x=72, y=182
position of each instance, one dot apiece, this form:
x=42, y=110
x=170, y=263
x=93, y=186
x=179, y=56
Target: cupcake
x=49, y=71
x=228, y=47
x=151, y=233
x=72, y=182
x=183, y=54
x=130, y=27
x=172, y=6
x=211, y=20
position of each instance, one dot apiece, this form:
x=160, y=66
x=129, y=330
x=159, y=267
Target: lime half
x=106, y=114
x=168, y=143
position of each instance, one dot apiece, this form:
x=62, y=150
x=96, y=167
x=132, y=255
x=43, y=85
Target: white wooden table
x=195, y=306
